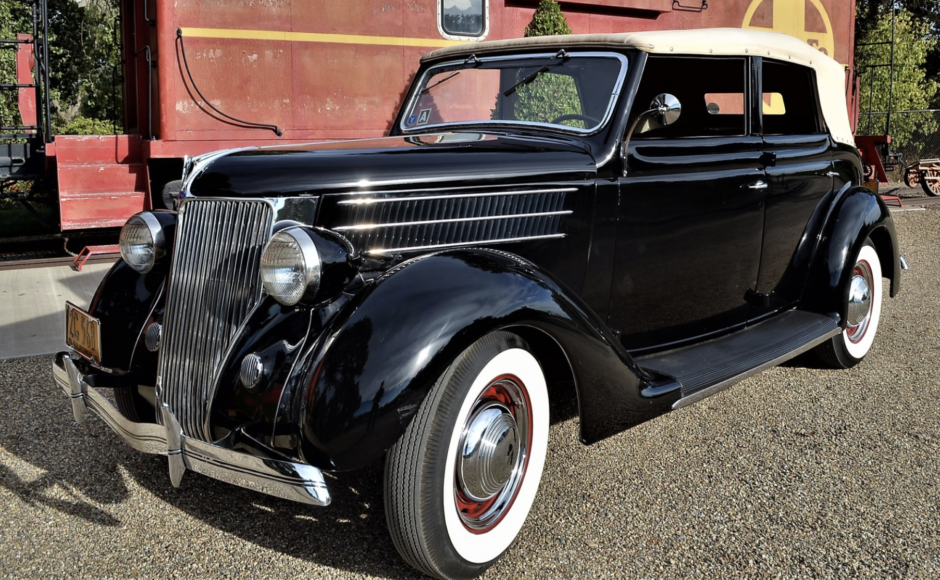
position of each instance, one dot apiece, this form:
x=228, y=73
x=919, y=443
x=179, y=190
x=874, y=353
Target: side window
x=789, y=99
x=711, y=91
x=463, y=19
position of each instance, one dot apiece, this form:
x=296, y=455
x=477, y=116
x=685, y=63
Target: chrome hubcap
x=489, y=453
x=860, y=302
x=493, y=454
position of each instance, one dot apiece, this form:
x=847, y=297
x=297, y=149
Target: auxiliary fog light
x=290, y=266
x=142, y=241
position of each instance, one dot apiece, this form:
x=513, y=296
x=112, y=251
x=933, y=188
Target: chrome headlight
x=290, y=266
x=142, y=242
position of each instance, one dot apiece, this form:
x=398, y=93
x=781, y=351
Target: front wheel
x=460, y=482
x=863, y=311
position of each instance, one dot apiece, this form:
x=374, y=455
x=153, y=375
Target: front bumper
x=284, y=479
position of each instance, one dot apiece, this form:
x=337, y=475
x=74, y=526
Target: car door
x=798, y=148
x=691, y=207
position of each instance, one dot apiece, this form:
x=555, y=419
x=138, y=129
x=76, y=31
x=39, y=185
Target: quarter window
x=463, y=19
x=789, y=99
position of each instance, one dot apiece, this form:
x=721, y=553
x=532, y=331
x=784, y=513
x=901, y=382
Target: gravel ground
x=798, y=472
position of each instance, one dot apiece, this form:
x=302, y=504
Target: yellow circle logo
x=793, y=17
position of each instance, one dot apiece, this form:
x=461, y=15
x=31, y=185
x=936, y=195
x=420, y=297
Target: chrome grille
x=380, y=225
x=214, y=284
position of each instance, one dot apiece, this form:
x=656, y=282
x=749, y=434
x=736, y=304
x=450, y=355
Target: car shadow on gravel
x=349, y=534
x=81, y=473
x=74, y=469
x=51, y=456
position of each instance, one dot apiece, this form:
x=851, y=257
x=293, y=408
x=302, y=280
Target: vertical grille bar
x=214, y=284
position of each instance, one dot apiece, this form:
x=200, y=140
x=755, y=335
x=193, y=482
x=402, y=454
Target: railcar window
x=795, y=86
x=711, y=91
x=724, y=103
x=461, y=19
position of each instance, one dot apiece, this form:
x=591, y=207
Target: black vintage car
x=648, y=217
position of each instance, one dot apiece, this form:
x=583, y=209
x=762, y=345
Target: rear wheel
x=460, y=482
x=863, y=311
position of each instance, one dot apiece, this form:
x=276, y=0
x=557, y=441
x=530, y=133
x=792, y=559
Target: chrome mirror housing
x=666, y=109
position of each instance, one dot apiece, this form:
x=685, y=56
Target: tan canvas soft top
x=830, y=75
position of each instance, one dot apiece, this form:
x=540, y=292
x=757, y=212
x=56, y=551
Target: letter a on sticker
x=423, y=116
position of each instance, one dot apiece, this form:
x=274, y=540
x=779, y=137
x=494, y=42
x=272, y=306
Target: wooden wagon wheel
x=912, y=175
x=930, y=181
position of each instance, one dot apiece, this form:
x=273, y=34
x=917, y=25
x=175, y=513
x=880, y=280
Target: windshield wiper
x=525, y=81
x=443, y=80
x=561, y=54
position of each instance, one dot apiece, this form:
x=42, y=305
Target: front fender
x=857, y=214
x=123, y=302
x=379, y=359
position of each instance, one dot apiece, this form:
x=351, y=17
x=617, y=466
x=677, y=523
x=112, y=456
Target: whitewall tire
x=460, y=482
x=863, y=311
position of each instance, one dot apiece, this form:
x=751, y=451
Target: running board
x=704, y=369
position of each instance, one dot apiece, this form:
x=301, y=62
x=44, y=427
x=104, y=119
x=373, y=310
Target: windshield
x=571, y=92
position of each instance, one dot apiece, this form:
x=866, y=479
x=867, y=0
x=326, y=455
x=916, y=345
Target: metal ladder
x=23, y=146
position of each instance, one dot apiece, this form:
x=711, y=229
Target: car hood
x=429, y=160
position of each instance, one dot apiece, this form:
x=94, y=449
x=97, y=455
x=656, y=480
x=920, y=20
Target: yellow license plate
x=82, y=332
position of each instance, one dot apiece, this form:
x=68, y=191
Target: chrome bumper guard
x=284, y=479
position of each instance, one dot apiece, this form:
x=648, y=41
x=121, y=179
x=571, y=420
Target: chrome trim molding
x=453, y=221
x=371, y=200
x=381, y=225
x=284, y=479
x=194, y=166
x=379, y=251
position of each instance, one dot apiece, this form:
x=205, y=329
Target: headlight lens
x=142, y=242
x=290, y=266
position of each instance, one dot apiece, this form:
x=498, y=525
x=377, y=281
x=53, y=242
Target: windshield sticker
x=412, y=120
x=423, y=116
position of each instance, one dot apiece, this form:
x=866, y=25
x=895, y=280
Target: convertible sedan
x=649, y=217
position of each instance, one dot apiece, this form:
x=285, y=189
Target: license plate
x=82, y=332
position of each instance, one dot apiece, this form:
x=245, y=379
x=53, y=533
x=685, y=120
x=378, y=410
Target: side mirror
x=664, y=110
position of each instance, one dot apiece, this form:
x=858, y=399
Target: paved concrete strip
x=32, y=306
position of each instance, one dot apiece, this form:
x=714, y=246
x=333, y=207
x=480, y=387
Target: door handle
x=832, y=174
x=759, y=184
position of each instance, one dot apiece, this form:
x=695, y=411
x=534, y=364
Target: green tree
x=912, y=88
x=14, y=17
x=84, y=57
x=551, y=95
x=548, y=20
x=870, y=12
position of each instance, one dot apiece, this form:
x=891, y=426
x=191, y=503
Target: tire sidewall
x=856, y=351
x=458, y=556
x=486, y=547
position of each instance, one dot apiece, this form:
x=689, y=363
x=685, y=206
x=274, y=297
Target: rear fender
x=376, y=362
x=857, y=214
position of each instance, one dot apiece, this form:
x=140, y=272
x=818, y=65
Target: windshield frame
x=461, y=64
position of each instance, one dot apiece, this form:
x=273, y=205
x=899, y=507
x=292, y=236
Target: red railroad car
x=210, y=74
